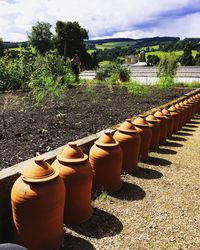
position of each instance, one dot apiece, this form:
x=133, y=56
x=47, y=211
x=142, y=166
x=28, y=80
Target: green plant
x=60, y=115
x=51, y=78
x=165, y=82
x=167, y=69
x=137, y=88
x=124, y=73
x=90, y=90
x=168, y=65
x=192, y=84
x=103, y=196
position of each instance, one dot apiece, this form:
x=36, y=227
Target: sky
x=103, y=19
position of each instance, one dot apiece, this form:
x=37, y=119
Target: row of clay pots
x=136, y=139
x=46, y=196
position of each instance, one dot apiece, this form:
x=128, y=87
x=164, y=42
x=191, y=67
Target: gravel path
x=156, y=209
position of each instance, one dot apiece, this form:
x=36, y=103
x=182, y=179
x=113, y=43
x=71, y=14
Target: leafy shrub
x=192, y=84
x=112, y=70
x=165, y=82
x=137, y=89
x=15, y=71
x=51, y=78
x=124, y=73
x=106, y=71
x=168, y=65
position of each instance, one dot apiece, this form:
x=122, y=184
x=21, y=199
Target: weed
x=103, y=196
x=137, y=89
x=60, y=115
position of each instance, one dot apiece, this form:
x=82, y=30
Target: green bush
x=168, y=65
x=165, y=82
x=106, y=71
x=113, y=69
x=51, y=78
x=15, y=71
x=138, y=89
x=124, y=73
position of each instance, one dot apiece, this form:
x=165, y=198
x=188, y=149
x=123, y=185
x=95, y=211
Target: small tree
x=187, y=58
x=197, y=60
x=51, y=78
x=1, y=47
x=41, y=37
x=167, y=69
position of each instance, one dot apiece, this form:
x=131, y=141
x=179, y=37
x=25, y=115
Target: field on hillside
x=178, y=53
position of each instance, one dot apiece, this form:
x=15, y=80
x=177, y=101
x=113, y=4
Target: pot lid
x=106, y=140
x=182, y=104
x=172, y=109
x=127, y=126
x=72, y=154
x=166, y=112
x=140, y=122
x=185, y=102
x=159, y=114
x=152, y=118
x=177, y=106
x=39, y=171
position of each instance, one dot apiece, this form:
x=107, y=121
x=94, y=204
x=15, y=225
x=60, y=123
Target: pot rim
x=49, y=177
x=77, y=160
x=106, y=144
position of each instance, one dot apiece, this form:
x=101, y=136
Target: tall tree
x=1, y=47
x=70, y=38
x=187, y=58
x=41, y=37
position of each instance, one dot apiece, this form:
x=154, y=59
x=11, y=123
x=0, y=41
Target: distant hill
x=15, y=44
x=136, y=43
x=120, y=42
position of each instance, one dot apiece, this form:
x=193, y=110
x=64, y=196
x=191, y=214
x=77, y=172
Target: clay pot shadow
x=173, y=144
x=187, y=130
x=166, y=151
x=177, y=138
x=101, y=224
x=190, y=126
x=184, y=133
x=129, y=192
x=196, y=118
x=194, y=122
x=157, y=161
x=146, y=173
x=76, y=243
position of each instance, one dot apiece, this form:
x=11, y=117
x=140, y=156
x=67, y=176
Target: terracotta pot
x=37, y=200
x=196, y=103
x=163, y=125
x=170, y=122
x=182, y=114
x=186, y=108
x=76, y=173
x=145, y=132
x=106, y=160
x=129, y=141
x=154, y=124
x=189, y=113
x=176, y=116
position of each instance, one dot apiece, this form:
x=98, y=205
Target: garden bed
x=84, y=111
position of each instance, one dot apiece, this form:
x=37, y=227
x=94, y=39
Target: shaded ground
x=157, y=208
x=84, y=111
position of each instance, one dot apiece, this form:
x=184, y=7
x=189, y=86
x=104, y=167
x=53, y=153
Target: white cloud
x=117, y=18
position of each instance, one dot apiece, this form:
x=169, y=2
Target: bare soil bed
x=83, y=112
